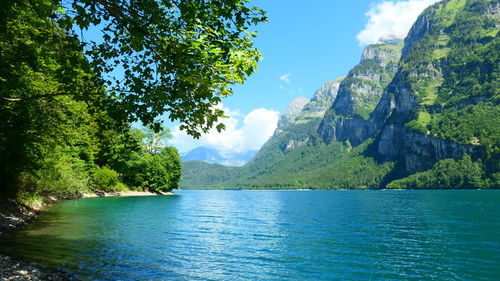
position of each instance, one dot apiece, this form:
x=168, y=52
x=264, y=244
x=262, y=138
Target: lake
x=271, y=235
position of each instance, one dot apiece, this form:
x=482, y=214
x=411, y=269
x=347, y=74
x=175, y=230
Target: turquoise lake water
x=271, y=235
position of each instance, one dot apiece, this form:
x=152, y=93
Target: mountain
x=297, y=147
x=422, y=113
x=443, y=102
x=320, y=102
x=210, y=155
x=291, y=114
x=359, y=94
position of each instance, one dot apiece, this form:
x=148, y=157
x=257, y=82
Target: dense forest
x=422, y=113
x=70, y=107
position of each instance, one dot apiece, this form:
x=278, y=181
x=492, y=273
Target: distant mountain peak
x=211, y=155
x=322, y=100
x=293, y=110
x=389, y=39
x=295, y=106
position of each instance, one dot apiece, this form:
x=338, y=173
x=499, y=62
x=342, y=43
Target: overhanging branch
x=36, y=97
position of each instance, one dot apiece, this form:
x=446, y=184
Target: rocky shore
x=11, y=269
x=14, y=216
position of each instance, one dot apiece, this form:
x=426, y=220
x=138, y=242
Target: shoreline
x=15, y=216
x=125, y=194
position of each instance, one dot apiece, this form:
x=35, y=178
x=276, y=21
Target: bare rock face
x=293, y=144
x=418, y=30
x=421, y=151
x=359, y=93
x=354, y=130
x=292, y=112
x=302, y=118
x=322, y=100
x=396, y=99
x=389, y=143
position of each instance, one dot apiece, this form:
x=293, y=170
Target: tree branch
x=36, y=97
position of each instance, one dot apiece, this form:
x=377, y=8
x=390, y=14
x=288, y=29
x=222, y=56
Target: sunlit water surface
x=271, y=235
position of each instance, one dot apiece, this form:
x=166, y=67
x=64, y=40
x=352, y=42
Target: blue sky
x=313, y=41
x=304, y=44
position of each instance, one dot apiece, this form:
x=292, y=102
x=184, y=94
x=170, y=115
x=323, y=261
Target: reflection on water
x=271, y=235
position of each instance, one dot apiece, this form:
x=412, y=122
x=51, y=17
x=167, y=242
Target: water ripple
x=271, y=235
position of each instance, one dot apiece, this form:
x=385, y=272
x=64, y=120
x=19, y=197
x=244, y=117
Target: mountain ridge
x=211, y=155
x=406, y=116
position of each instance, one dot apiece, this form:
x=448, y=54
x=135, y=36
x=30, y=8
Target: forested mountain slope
x=297, y=156
x=430, y=104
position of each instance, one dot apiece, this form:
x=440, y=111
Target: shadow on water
x=83, y=234
x=47, y=250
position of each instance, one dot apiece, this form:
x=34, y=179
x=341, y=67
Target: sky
x=304, y=44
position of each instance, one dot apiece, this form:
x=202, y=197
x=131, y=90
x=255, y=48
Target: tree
x=171, y=160
x=54, y=141
x=39, y=135
x=154, y=140
x=175, y=57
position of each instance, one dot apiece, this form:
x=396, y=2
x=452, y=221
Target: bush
x=60, y=175
x=155, y=172
x=447, y=174
x=107, y=180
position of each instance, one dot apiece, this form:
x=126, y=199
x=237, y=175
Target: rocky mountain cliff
x=321, y=101
x=422, y=113
x=358, y=95
x=447, y=79
x=291, y=114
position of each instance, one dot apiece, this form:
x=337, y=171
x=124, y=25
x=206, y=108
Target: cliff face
x=291, y=114
x=295, y=128
x=446, y=79
x=301, y=119
x=321, y=101
x=359, y=93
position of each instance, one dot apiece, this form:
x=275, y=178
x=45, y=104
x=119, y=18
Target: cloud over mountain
x=242, y=133
x=389, y=19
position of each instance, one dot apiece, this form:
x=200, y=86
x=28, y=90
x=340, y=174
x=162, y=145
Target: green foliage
x=155, y=172
x=475, y=124
x=155, y=176
x=106, y=179
x=448, y=174
x=178, y=57
x=452, y=69
x=420, y=124
x=313, y=165
x=30, y=200
x=60, y=175
x=171, y=160
x=58, y=135
x=40, y=136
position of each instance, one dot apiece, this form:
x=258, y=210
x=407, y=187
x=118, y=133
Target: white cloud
x=240, y=135
x=390, y=19
x=286, y=78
